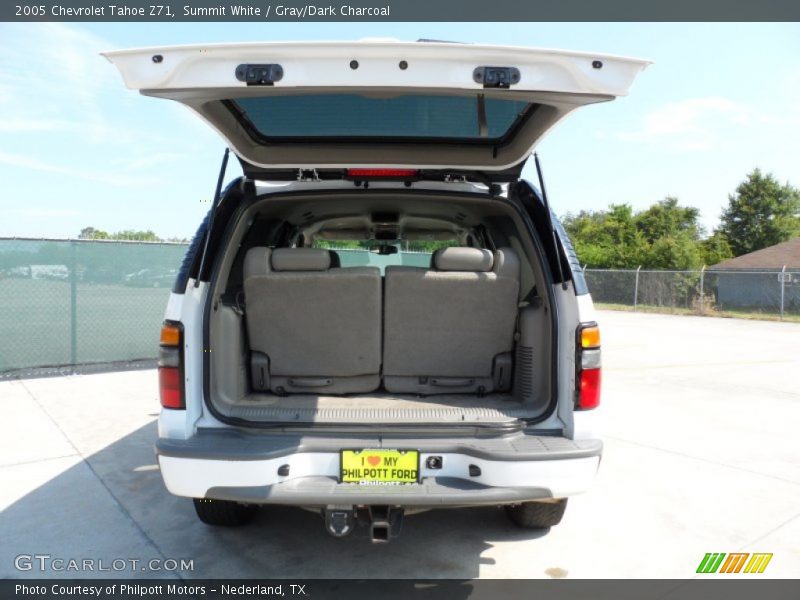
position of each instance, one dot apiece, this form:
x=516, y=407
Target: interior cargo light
x=170, y=366
x=382, y=173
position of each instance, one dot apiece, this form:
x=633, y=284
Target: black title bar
x=252, y=11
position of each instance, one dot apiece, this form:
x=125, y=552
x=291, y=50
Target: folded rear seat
x=450, y=329
x=312, y=329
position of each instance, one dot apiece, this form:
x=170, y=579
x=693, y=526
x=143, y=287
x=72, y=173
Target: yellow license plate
x=379, y=467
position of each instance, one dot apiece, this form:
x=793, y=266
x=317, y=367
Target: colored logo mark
x=736, y=562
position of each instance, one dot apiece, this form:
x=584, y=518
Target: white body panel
x=188, y=309
x=203, y=76
x=194, y=477
x=326, y=64
x=586, y=311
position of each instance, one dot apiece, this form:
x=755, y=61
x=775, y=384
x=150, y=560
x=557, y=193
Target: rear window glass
x=367, y=254
x=355, y=116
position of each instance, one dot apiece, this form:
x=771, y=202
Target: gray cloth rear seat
x=319, y=328
x=450, y=328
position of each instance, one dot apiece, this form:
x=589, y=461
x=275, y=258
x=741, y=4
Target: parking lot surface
x=701, y=419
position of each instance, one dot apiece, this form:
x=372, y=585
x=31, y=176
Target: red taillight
x=170, y=387
x=382, y=173
x=589, y=389
x=170, y=366
x=587, y=374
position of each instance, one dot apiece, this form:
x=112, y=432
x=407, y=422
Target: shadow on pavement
x=283, y=542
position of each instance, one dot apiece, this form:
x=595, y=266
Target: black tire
x=537, y=515
x=224, y=513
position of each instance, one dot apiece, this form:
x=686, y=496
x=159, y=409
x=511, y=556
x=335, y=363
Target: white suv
x=380, y=316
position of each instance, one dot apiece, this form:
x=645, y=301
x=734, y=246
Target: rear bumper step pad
x=303, y=470
x=236, y=444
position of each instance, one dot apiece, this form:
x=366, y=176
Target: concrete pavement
x=701, y=456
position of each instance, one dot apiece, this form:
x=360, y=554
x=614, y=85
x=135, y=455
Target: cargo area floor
x=376, y=407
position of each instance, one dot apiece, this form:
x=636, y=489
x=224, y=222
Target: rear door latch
x=496, y=77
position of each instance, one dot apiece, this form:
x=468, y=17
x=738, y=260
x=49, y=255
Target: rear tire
x=537, y=515
x=224, y=513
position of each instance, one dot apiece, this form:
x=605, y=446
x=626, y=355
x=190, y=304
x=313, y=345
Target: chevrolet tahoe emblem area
x=380, y=316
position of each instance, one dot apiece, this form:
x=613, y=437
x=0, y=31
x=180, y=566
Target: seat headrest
x=463, y=259
x=301, y=259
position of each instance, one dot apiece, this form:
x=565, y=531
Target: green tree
x=672, y=233
x=133, y=235
x=90, y=233
x=607, y=239
x=666, y=218
x=664, y=236
x=678, y=252
x=761, y=213
x=715, y=249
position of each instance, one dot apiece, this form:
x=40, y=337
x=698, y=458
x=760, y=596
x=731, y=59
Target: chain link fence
x=756, y=293
x=69, y=302
x=78, y=302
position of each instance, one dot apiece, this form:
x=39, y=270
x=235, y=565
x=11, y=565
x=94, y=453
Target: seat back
x=312, y=328
x=450, y=328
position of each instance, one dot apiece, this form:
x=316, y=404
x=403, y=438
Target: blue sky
x=77, y=148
